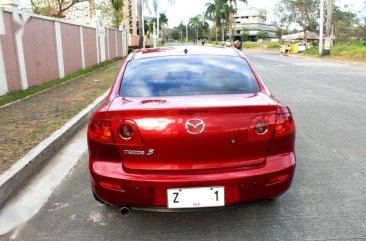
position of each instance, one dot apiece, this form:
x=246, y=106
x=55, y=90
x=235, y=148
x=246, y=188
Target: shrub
x=250, y=45
x=312, y=51
x=273, y=45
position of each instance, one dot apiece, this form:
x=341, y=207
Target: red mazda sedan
x=190, y=127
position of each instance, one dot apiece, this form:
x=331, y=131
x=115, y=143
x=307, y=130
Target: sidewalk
x=26, y=123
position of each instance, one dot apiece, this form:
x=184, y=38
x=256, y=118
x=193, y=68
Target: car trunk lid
x=192, y=133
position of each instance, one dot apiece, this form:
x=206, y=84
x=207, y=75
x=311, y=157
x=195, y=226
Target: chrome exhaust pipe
x=125, y=211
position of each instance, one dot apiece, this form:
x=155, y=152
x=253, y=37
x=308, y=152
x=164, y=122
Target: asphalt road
x=326, y=202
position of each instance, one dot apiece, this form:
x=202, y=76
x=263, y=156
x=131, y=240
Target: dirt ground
x=28, y=122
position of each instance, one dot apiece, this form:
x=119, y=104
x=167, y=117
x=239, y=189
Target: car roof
x=185, y=50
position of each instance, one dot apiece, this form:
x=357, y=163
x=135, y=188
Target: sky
x=182, y=10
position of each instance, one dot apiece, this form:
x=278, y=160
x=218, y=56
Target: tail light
x=284, y=124
x=100, y=131
x=261, y=128
x=127, y=132
x=284, y=135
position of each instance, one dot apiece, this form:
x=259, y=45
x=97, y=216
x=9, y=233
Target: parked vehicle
x=301, y=47
x=190, y=127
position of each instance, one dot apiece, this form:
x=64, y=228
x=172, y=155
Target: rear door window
x=188, y=75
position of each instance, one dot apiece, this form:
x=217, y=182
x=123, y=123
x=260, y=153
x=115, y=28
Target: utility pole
x=187, y=32
x=328, y=30
x=154, y=34
x=203, y=24
x=141, y=23
x=196, y=32
x=157, y=21
x=321, y=25
x=143, y=26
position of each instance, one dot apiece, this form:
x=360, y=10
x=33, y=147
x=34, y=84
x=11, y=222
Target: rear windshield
x=188, y=75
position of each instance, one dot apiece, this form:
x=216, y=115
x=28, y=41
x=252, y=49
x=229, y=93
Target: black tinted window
x=188, y=75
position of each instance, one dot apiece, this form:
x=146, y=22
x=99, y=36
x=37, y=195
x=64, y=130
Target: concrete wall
x=36, y=49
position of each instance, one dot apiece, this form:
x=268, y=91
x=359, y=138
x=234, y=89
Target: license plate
x=196, y=197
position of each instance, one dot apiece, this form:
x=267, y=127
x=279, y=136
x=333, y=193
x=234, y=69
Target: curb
x=25, y=168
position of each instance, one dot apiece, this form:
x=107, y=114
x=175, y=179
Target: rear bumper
x=150, y=190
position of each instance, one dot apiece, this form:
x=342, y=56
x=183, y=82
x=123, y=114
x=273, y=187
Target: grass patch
x=17, y=95
x=355, y=51
x=273, y=45
x=27, y=123
x=251, y=45
x=312, y=51
x=265, y=45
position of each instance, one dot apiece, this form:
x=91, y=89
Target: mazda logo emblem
x=195, y=126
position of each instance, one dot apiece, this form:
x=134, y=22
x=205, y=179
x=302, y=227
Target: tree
x=199, y=25
x=232, y=9
x=343, y=20
x=181, y=27
x=176, y=34
x=42, y=7
x=112, y=11
x=328, y=29
x=362, y=23
x=152, y=23
x=303, y=12
x=163, y=20
x=117, y=12
x=211, y=15
x=221, y=12
x=262, y=34
x=282, y=30
x=195, y=22
x=46, y=7
x=147, y=4
x=244, y=36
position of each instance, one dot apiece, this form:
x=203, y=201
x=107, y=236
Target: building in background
x=130, y=20
x=253, y=22
x=310, y=36
x=82, y=13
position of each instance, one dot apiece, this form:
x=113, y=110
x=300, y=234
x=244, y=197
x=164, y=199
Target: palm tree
x=211, y=15
x=181, y=27
x=148, y=4
x=232, y=9
x=222, y=11
x=163, y=20
x=195, y=21
x=118, y=12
